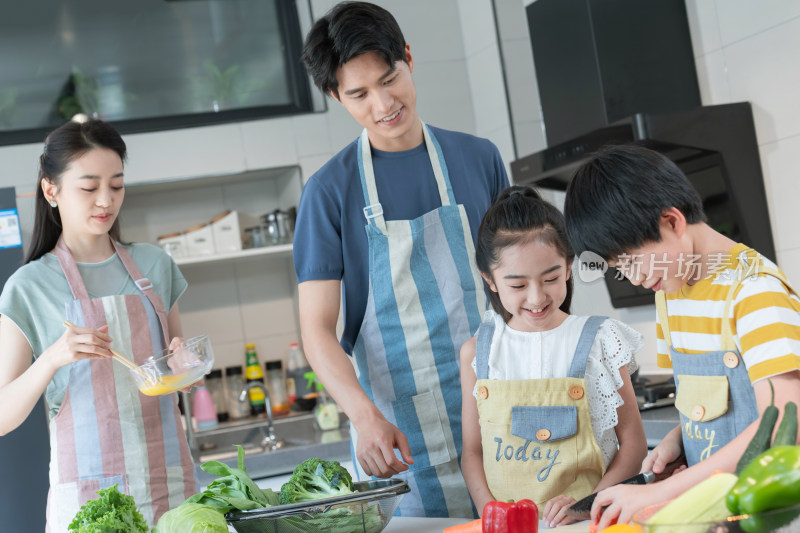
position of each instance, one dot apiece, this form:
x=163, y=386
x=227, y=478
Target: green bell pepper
x=770, y=481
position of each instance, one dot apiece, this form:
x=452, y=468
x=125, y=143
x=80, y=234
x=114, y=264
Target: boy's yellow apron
x=537, y=434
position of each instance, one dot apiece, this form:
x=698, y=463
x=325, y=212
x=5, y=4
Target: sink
x=298, y=438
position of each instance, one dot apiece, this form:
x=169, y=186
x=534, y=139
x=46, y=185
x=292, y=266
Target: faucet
x=269, y=440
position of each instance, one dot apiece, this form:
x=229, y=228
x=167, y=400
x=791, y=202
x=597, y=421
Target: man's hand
x=375, y=450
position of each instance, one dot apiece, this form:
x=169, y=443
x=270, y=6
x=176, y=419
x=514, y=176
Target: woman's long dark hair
x=61, y=147
x=519, y=215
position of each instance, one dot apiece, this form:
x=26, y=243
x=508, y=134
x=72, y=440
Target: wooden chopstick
x=117, y=356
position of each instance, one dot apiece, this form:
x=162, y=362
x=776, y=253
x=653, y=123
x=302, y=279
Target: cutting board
x=581, y=527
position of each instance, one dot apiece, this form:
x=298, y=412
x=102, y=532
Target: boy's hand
x=668, y=450
x=555, y=511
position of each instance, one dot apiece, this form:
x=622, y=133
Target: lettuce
x=112, y=512
x=191, y=518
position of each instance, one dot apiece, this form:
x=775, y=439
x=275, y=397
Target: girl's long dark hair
x=62, y=146
x=518, y=215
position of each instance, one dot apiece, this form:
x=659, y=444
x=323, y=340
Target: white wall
x=454, y=45
x=744, y=51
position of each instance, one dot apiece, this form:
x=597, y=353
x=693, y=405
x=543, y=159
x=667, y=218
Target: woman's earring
x=53, y=203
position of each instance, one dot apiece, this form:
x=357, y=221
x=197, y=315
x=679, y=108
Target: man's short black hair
x=615, y=200
x=346, y=31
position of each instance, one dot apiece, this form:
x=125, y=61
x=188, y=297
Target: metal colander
x=366, y=511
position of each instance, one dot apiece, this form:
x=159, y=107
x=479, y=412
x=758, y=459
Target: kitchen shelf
x=277, y=250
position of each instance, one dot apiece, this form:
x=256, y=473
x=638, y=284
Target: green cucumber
x=787, y=431
x=763, y=437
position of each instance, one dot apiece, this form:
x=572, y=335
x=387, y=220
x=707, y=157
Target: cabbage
x=191, y=518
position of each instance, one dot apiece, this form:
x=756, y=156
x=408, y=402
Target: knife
x=581, y=508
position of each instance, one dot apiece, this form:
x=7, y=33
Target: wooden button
x=576, y=392
x=543, y=435
x=730, y=359
x=698, y=412
x=483, y=392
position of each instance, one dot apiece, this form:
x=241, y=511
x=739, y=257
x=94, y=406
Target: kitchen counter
x=658, y=422
x=403, y=524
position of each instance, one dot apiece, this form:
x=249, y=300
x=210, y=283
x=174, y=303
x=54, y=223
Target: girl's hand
x=555, y=511
x=668, y=450
x=77, y=343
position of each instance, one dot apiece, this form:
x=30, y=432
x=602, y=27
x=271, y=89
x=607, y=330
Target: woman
x=102, y=430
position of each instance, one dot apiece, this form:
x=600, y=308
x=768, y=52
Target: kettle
x=278, y=225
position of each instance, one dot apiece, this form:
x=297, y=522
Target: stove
x=653, y=391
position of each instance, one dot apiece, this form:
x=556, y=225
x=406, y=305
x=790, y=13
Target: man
x=391, y=222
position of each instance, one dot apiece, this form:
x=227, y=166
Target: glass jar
x=276, y=385
x=215, y=387
x=234, y=381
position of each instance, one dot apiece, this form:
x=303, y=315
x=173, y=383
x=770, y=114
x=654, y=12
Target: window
x=148, y=65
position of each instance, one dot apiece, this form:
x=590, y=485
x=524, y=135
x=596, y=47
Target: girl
x=548, y=408
x=102, y=430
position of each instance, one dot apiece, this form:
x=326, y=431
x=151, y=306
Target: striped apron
x=106, y=432
x=425, y=300
x=537, y=434
x=714, y=395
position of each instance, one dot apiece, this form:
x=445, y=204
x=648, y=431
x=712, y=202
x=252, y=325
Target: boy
x=390, y=223
x=727, y=317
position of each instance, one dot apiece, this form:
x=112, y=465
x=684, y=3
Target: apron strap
x=373, y=211
x=747, y=266
x=663, y=318
x=578, y=367
x=146, y=287
x=482, y=347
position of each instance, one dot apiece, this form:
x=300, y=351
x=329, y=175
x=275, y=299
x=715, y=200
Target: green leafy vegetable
x=112, y=512
x=233, y=489
x=314, y=479
x=192, y=518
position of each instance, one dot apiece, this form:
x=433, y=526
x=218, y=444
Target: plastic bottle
x=296, y=368
x=254, y=374
x=235, y=384
x=203, y=407
x=279, y=400
x=215, y=387
x=326, y=412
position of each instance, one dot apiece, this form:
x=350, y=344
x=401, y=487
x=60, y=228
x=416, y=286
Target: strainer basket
x=366, y=511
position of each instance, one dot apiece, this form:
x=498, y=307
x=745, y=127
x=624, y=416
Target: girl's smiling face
x=530, y=279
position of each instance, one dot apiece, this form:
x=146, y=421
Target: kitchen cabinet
x=236, y=297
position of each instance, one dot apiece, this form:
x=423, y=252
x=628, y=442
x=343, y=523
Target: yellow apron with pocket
x=537, y=434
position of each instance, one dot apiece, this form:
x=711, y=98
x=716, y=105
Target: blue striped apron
x=105, y=431
x=425, y=300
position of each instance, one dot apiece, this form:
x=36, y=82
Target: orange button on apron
x=698, y=412
x=576, y=392
x=543, y=435
x=483, y=392
x=730, y=359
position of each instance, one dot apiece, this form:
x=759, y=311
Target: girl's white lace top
x=548, y=354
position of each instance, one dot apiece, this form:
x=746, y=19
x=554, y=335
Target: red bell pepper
x=512, y=517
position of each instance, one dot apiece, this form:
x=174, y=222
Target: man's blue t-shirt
x=330, y=242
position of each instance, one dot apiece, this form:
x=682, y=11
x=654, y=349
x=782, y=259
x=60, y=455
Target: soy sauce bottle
x=254, y=374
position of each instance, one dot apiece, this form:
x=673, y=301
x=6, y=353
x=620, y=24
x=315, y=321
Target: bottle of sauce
x=254, y=374
x=296, y=368
x=276, y=384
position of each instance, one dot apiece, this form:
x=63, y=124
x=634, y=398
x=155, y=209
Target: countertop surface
x=402, y=524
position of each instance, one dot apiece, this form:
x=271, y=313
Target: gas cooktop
x=653, y=391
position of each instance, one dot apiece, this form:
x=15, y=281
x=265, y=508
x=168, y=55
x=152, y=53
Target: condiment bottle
x=235, y=385
x=296, y=368
x=215, y=387
x=326, y=412
x=255, y=375
x=276, y=384
x=203, y=408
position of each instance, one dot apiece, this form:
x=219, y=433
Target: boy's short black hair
x=615, y=200
x=348, y=30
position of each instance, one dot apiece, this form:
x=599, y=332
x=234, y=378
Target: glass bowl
x=169, y=371
x=786, y=520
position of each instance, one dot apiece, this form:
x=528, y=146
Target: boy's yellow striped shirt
x=765, y=313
